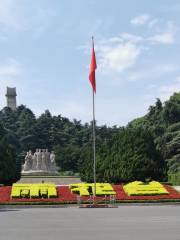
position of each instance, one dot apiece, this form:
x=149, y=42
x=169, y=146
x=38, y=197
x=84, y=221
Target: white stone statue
x=42, y=161
x=47, y=159
x=53, y=163
x=28, y=161
x=39, y=160
x=52, y=157
x=34, y=165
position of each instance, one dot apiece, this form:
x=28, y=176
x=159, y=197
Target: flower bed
x=34, y=190
x=64, y=195
x=138, y=188
x=87, y=189
x=121, y=194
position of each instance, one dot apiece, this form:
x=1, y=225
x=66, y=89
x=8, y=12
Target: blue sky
x=45, y=50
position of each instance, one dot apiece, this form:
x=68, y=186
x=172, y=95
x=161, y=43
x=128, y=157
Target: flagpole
x=94, y=147
x=92, y=79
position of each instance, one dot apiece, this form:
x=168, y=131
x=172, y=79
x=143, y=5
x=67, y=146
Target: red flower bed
x=65, y=195
x=121, y=195
x=5, y=193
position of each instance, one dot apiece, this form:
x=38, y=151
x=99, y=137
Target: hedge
x=174, y=179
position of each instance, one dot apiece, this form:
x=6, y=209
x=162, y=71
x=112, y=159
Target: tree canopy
x=8, y=164
x=147, y=148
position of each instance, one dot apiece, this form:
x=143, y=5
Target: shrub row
x=174, y=179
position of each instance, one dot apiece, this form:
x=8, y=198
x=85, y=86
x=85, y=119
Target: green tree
x=131, y=155
x=171, y=111
x=44, y=124
x=67, y=157
x=26, y=131
x=8, y=168
x=171, y=147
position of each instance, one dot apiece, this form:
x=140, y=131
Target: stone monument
x=11, y=98
x=42, y=162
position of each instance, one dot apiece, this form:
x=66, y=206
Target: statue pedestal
x=39, y=173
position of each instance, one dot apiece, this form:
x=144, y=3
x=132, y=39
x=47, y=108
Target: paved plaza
x=122, y=223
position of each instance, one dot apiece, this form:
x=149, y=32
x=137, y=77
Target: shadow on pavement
x=8, y=210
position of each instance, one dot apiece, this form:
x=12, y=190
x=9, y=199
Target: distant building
x=11, y=98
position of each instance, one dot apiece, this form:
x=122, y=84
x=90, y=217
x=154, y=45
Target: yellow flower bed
x=34, y=190
x=138, y=188
x=87, y=189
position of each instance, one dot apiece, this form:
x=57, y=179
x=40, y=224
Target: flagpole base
x=97, y=206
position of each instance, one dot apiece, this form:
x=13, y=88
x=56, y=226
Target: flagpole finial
x=93, y=41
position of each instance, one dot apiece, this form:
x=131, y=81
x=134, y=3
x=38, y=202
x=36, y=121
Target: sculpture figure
x=53, y=163
x=47, y=159
x=34, y=164
x=42, y=161
x=28, y=161
x=39, y=159
x=52, y=157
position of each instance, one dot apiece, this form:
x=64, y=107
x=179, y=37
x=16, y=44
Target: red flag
x=93, y=66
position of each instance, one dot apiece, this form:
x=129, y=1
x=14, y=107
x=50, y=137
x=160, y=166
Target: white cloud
x=166, y=36
x=10, y=69
x=19, y=16
x=155, y=72
x=167, y=90
x=118, y=57
x=145, y=19
x=153, y=22
x=9, y=16
x=112, y=40
x=121, y=52
x=162, y=35
x=163, y=92
x=131, y=37
x=141, y=19
x=116, y=54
